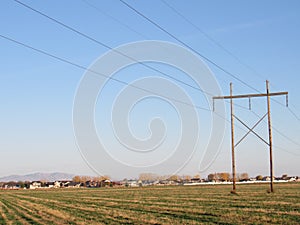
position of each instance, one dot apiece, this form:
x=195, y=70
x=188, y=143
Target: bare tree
x=211, y=177
x=259, y=177
x=186, y=178
x=76, y=179
x=148, y=177
x=243, y=177
x=174, y=178
x=197, y=176
x=223, y=176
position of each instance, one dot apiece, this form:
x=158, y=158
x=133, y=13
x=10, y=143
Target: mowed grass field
x=153, y=205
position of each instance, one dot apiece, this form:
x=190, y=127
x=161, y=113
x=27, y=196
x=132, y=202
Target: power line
x=206, y=35
x=284, y=150
x=113, y=18
x=279, y=132
x=142, y=35
x=181, y=15
x=289, y=109
x=187, y=46
x=97, y=73
x=198, y=53
x=293, y=113
x=110, y=48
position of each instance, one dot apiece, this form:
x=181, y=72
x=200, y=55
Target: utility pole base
x=234, y=192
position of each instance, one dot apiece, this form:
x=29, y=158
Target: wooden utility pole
x=270, y=138
x=251, y=130
x=232, y=142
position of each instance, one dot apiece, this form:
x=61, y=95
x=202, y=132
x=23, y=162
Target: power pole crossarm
x=250, y=95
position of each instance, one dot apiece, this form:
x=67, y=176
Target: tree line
x=84, y=179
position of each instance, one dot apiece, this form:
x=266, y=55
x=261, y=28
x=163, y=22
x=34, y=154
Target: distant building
x=35, y=185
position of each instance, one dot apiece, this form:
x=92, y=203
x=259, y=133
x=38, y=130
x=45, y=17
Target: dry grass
x=153, y=205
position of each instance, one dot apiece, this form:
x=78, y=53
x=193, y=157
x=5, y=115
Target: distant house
x=168, y=182
x=293, y=179
x=10, y=185
x=91, y=184
x=107, y=182
x=72, y=184
x=288, y=178
x=148, y=182
x=132, y=183
x=57, y=184
x=267, y=178
x=35, y=185
x=49, y=185
x=116, y=183
x=196, y=180
x=64, y=183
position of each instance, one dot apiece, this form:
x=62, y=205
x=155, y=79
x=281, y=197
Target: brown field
x=153, y=205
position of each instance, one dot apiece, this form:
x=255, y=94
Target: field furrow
x=3, y=218
x=44, y=214
x=15, y=216
x=83, y=213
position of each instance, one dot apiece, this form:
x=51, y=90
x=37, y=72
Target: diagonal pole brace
x=251, y=129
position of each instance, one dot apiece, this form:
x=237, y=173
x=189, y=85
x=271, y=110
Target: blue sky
x=37, y=92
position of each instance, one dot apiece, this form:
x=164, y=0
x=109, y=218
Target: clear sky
x=254, y=40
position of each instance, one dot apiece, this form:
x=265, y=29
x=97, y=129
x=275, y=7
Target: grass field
x=153, y=205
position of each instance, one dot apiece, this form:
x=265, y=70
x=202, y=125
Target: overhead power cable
x=294, y=114
x=284, y=150
x=142, y=35
x=211, y=39
x=197, y=52
x=113, y=18
x=187, y=46
x=110, y=48
x=278, y=131
x=97, y=73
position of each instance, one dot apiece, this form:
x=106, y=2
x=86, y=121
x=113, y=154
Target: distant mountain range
x=38, y=176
